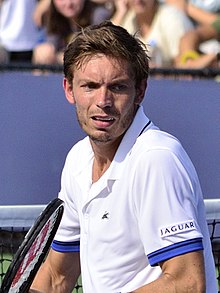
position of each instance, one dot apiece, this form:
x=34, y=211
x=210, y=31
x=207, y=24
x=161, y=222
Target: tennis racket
x=33, y=250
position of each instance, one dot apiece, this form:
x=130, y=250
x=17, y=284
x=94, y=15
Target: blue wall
x=38, y=127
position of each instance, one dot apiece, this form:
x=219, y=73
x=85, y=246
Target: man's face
x=104, y=93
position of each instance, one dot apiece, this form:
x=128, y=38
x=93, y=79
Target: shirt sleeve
x=67, y=238
x=165, y=200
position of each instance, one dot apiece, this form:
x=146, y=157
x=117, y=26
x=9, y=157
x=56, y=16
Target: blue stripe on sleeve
x=66, y=246
x=175, y=250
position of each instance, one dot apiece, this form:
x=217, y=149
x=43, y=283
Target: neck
x=103, y=156
x=99, y=168
x=104, y=152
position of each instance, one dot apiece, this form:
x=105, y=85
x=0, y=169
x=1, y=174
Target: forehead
x=101, y=64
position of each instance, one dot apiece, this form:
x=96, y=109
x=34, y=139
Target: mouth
x=103, y=121
x=101, y=118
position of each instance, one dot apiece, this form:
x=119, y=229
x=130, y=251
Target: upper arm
x=58, y=273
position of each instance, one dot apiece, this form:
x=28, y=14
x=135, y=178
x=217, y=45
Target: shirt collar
x=129, y=139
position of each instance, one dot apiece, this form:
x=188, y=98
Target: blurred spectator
x=208, y=5
x=40, y=12
x=63, y=18
x=158, y=25
x=195, y=9
x=201, y=12
x=103, y=10
x=18, y=33
x=180, y=4
x=200, y=15
x=190, y=54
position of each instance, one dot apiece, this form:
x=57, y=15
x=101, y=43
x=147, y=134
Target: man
x=134, y=218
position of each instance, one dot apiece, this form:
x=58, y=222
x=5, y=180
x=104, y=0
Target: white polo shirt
x=146, y=208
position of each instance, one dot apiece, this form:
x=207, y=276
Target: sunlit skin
x=145, y=11
x=106, y=100
x=140, y=6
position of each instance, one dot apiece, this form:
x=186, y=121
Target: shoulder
x=161, y=158
x=156, y=139
x=156, y=148
x=79, y=155
x=81, y=147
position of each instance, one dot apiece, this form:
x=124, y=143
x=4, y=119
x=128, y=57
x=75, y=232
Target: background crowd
x=178, y=33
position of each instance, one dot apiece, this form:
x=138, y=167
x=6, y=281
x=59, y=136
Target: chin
x=100, y=139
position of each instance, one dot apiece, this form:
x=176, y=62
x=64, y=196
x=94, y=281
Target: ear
x=68, y=89
x=141, y=92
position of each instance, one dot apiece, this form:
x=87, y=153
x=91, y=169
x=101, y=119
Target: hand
x=121, y=8
x=40, y=9
x=121, y=5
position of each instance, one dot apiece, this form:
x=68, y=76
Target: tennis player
x=134, y=217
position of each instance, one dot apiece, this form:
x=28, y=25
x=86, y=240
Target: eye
x=89, y=86
x=118, y=87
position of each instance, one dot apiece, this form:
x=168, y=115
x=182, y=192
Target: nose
x=104, y=99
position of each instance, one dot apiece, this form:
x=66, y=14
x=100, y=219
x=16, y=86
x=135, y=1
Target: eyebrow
x=116, y=80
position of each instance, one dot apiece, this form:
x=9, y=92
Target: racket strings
x=33, y=255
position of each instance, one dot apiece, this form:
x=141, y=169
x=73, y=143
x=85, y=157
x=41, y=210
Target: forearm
x=58, y=274
x=43, y=5
x=45, y=282
x=192, y=39
x=41, y=8
x=118, y=17
x=167, y=284
x=121, y=9
x=199, y=15
x=161, y=285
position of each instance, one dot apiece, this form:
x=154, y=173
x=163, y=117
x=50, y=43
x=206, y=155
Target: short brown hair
x=110, y=40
